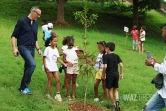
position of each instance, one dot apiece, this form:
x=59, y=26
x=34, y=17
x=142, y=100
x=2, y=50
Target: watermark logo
x=136, y=97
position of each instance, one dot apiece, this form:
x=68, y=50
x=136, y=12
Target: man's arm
x=161, y=68
x=38, y=49
x=15, y=50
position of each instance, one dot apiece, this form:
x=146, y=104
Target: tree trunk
x=135, y=12
x=60, y=11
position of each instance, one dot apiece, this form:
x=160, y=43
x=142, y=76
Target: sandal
x=73, y=97
x=69, y=98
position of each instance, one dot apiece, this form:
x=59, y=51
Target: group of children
x=138, y=38
x=106, y=67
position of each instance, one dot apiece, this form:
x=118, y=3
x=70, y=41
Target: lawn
x=137, y=76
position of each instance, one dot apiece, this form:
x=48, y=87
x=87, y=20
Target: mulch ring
x=79, y=106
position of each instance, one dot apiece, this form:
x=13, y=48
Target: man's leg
x=29, y=67
x=156, y=103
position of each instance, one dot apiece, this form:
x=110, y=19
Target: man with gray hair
x=158, y=100
x=25, y=36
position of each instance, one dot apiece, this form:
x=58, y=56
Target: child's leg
x=96, y=87
x=56, y=76
x=65, y=80
x=49, y=76
x=111, y=96
x=136, y=45
x=142, y=47
x=74, y=77
x=104, y=89
x=68, y=84
x=133, y=44
x=116, y=94
x=139, y=46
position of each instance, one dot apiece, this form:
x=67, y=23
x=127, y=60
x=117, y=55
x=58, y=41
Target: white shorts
x=73, y=69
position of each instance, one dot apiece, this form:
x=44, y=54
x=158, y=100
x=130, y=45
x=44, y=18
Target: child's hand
x=46, y=69
x=69, y=64
x=65, y=65
x=103, y=77
x=121, y=76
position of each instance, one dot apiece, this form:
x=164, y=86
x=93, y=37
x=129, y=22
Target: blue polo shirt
x=25, y=32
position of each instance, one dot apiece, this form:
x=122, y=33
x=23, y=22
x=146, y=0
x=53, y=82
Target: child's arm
x=61, y=61
x=121, y=70
x=104, y=71
x=61, y=52
x=44, y=62
x=64, y=59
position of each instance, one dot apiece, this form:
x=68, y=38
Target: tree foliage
x=86, y=67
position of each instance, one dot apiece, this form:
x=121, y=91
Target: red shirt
x=135, y=34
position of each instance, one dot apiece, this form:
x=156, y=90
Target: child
x=135, y=34
x=48, y=33
x=64, y=47
x=71, y=58
x=111, y=61
x=44, y=25
x=99, y=66
x=142, y=39
x=51, y=55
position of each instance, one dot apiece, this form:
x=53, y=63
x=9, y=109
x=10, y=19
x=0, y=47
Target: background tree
x=60, y=12
x=138, y=6
x=143, y=5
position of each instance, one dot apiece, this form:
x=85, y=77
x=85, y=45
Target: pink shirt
x=135, y=34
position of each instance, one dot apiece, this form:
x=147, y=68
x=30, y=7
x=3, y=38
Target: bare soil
x=79, y=106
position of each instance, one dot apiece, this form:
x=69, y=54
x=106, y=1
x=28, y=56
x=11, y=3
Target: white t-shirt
x=64, y=47
x=44, y=28
x=51, y=58
x=71, y=55
x=161, y=68
x=99, y=61
x=142, y=35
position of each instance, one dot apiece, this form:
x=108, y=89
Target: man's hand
x=149, y=62
x=40, y=52
x=15, y=52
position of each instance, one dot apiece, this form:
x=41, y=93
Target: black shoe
x=117, y=108
x=61, y=68
x=112, y=107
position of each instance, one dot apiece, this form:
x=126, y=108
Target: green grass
x=137, y=76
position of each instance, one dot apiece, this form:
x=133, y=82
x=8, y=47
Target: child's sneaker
x=48, y=96
x=58, y=97
x=26, y=91
x=96, y=99
x=117, y=108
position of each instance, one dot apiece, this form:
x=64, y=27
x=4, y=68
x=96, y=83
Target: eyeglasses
x=37, y=13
